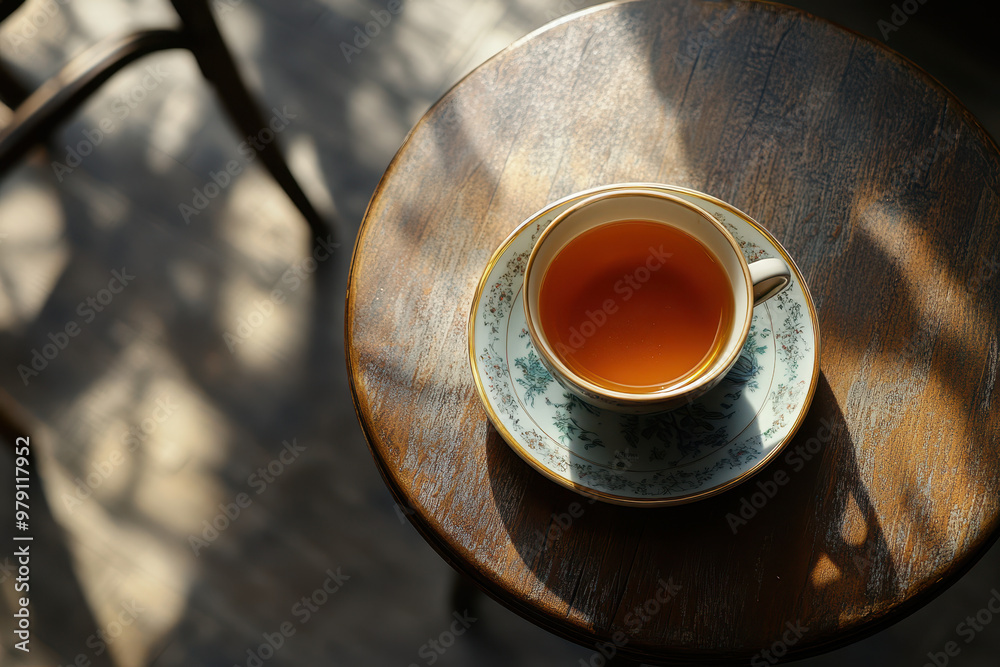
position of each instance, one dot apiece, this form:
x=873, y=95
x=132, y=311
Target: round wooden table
x=884, y=189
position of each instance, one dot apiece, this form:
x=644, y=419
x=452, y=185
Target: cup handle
x=769, y=276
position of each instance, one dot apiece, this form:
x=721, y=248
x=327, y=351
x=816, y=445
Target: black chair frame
x=35, y=115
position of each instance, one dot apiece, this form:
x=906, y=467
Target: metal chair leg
x=464, y=594
x=41, y=112
x=220, y=69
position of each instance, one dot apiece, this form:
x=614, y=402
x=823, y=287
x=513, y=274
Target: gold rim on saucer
x=584, y=465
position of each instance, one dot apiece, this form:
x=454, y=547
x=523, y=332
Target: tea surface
x=635, y=305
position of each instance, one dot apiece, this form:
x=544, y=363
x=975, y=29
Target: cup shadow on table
x=780, y=549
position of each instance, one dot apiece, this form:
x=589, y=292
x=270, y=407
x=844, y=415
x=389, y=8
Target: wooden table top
x=877, y=181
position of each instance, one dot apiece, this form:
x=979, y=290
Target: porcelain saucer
x=693, y=452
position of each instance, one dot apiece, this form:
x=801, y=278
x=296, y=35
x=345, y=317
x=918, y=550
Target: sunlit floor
x=211, y=499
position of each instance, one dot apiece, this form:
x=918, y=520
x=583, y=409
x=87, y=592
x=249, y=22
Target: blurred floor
x=165, y=413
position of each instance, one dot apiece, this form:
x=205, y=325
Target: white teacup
x=750, y=284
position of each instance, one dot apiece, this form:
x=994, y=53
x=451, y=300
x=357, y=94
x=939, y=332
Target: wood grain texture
x=875, y=179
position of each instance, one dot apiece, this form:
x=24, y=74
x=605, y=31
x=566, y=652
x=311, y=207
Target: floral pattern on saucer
x=656, y=459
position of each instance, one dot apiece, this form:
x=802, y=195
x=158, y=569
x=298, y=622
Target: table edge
x=523, y=607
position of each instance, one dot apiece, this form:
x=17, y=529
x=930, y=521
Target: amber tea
x=636, y=306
